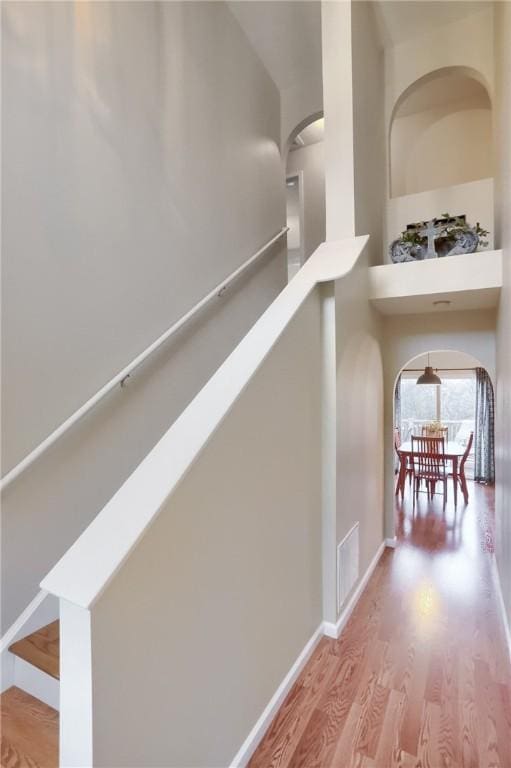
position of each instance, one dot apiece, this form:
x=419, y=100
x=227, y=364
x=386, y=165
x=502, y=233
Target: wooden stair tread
x=29, y=731
x=41, y=649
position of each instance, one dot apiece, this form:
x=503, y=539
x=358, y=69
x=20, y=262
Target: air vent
x=347, y=565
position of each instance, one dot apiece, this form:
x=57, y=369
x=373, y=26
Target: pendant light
x=429, y=376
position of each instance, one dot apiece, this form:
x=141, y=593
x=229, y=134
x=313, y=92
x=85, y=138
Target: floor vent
x=347, y=565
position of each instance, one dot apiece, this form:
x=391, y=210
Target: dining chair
x=429, y=464
x=429, y=431
x=461, y=469
x=408, y=462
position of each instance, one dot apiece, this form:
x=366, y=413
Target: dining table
x=453, y=452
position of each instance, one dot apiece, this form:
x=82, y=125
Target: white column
x=75, y=686
x=338, y=111
x=328, y=451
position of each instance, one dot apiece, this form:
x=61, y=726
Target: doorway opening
x=443, y=404
x=305, y=191
x=294, y=213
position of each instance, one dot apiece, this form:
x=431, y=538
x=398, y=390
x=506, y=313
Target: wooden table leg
x=464, y=486
x=455, y=478
x=400, y=485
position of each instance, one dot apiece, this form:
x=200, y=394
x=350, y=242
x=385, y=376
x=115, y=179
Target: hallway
x=420, y=677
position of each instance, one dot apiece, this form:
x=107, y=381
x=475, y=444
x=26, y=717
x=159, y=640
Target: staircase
x=29, y=727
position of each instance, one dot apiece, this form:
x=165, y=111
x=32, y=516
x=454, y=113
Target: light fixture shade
x=428, y=377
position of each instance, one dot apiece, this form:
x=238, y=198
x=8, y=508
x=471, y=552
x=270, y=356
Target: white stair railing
x=126, y=372
x=202, y=579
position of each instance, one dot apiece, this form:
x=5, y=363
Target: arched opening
x=441, y=133
x=305, y=191
x=443, y=443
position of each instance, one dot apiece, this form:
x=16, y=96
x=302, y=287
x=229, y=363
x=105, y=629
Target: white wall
x=368, y=127
x=141, y=166
x=230, y=571
x=503, y=230
x=338, y=109
x=311, y=161
x=405, y=337
x=465, y=43
x=300, y=102
x=441, y=147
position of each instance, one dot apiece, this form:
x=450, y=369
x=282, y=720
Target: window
x=453, y=404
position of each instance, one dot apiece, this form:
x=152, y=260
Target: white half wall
x=223, y=592
x=141, y=167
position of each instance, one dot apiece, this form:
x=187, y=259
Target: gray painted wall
x=503, y=234
x=141, y=166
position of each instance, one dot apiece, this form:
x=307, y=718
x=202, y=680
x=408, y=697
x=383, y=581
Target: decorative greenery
x=453, y=227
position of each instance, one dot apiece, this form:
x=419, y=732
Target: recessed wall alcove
x=441, y=133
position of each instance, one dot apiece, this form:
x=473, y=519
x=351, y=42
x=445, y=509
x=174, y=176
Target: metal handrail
x=121, y=377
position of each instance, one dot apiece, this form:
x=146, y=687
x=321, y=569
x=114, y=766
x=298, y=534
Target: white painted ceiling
x=440, y=91
x=286, y=35
x=402, y=20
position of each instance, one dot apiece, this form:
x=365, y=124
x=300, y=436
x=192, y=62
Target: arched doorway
x=453, y=404
x=305, y=191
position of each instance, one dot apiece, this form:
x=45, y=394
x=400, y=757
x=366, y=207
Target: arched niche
x=440, y=132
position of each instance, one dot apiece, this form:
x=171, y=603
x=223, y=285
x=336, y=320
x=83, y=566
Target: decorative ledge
x=468, y=281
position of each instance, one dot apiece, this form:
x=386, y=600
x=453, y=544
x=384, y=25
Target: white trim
x=128, y=370
x=334, y=630
x=20, y=624
x=328, y=451
x=326, y=628
x=250, y=744
x=36, y=682
x=500, y=600
x=392, y=543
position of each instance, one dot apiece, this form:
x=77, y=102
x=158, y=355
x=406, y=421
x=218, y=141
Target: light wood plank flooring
x=30, y=731
x=420, y=677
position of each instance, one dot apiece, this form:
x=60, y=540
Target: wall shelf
x=468, y=281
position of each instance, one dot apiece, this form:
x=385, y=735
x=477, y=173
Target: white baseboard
x=250, y=744
x=392, y=543
x=36, y=682
x=326, y=628
x=502, y=605
x=334, y=630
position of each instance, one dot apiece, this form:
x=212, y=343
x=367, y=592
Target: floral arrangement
x=443, y=236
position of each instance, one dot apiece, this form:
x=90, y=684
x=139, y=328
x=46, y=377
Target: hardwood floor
x=30, y=731
x=41, y=649
x=420, y=677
